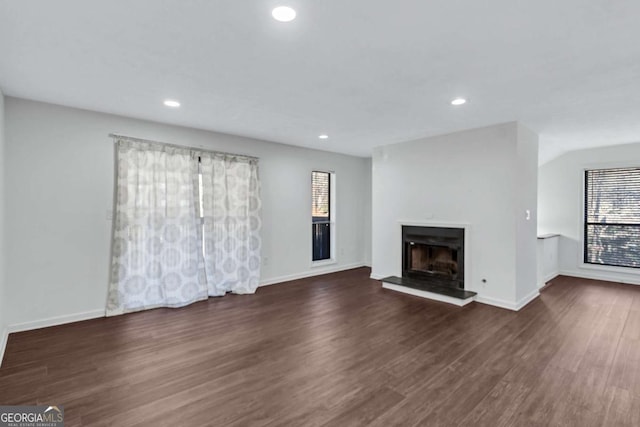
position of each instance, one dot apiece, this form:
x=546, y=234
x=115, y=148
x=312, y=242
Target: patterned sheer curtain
x=186, y=226
x=231, y=217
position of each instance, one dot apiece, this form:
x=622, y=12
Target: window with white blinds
x=320, y=186
x=612, y=217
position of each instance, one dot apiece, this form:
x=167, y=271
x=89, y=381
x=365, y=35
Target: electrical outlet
x=265, y=261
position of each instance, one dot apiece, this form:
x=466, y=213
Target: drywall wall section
x=367, y=217
x=60, y=166
x=526, y=215
x=469, y=177
x=561, y=201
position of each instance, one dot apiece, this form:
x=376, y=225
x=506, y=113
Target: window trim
x=333, y=259
x=582, y=253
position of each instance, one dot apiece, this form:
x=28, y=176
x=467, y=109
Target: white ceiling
x=366, y=72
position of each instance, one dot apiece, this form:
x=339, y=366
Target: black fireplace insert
x=434, y=254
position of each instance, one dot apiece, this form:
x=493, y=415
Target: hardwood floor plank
x=340, y=350
x=499, y=407
x=369, y=407
x=623, y=408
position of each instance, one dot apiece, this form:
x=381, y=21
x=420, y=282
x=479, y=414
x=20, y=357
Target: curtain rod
x=131, y=138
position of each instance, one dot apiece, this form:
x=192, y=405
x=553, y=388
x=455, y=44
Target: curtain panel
x=231, y=216
x=186, y=226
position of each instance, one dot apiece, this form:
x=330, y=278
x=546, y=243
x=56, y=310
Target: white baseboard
x=3, y=343
x=548, y=278
x=496, y=302
x=55, y=321
x=597, y=275
x=527, y=299
x=45, y=323
x=509, y=305
x=310, y=273
x=428, y=295
x=551, y=276
x=378, y=276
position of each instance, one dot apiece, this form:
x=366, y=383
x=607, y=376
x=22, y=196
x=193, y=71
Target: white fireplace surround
x=485, y=179
x=468, y=279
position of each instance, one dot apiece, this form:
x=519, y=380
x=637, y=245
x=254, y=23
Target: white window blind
x=320, y=187
x=612, y=217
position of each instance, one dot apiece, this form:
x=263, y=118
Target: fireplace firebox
x=434, y=254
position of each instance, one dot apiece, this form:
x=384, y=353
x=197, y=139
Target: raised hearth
x=425, y=289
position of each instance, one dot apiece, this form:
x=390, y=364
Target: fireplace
x=434, y=254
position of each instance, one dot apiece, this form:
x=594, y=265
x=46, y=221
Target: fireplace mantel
x=423, y=223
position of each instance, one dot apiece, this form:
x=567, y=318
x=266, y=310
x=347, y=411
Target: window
x=321, y=220
x=612, y=217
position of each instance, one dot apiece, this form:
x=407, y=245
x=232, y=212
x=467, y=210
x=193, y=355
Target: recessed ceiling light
x=283, y=14
x=323, y=136
x=458, y=101
x=171, y=103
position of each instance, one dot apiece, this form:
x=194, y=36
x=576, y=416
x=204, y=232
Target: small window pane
x=320, y=196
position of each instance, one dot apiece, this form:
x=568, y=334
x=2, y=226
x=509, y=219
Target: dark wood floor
x=339, y=350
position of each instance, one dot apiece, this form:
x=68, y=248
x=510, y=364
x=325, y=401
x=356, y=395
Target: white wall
x=526, y=226
x=560, y=203
x=367, y=217
x=474, y=177
x=3, y=301
x=548, y=261
x=60, y=188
